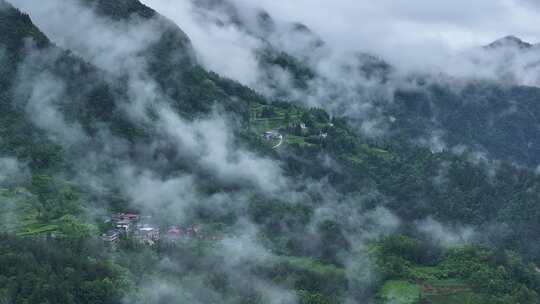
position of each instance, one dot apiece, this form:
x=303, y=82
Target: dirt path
x=280, y=142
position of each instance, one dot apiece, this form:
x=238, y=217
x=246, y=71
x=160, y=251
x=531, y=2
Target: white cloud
x=112, y=46
x=11, y=170
x=211, y=141
x=115, y=46
x=359, y=23
x=46, y=94
x=445, y=235
x=407, y=33
x=223, y=49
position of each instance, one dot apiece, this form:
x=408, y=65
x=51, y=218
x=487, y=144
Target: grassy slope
x=20, y=216
x=432, y=290
x=399, y=292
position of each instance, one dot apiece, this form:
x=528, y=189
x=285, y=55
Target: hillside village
x=277, y=124
x=281, y=124
x=143, y=230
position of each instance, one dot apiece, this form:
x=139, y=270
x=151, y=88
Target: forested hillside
x=494, y=116
x=129, y=172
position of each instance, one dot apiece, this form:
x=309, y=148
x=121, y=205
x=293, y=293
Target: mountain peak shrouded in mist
x=128, y=9
x=121, y=9
x=509, y=41
x=15, y=26
x=265, y=21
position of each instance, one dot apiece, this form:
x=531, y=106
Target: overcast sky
x=456, y=23
x=395, y=29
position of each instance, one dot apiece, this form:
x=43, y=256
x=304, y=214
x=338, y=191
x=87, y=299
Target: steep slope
x=15, y=27
x=496, y=118
x=500, y=121
x=121, y=9
x=17, y=136
x=88, y=98
x=171, y=61
x=42, y=77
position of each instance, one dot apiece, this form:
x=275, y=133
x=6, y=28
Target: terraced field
x=276, y=117
x=427, y=290
x=265, y=118
x=20, y=216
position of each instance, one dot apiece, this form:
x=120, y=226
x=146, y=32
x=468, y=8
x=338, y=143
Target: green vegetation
x=39, y=271
x=313, y=280
x=410, y=176
x=301, y=73
x=121, y=9
x=399, y=292
x=51, y=252
x=483, y=115
x=466, y=274
x=33, y=229
x=298, y=141
x=265, y=117
x=300, y=128
x=39, y=208
x=315, y=267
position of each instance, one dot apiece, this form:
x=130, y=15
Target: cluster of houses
x=141, y=230
x=301, y=129
x=297, y=128
x=270, y=135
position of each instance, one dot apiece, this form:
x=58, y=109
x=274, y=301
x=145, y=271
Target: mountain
x=493, y=119
x=271, y=55
x=487, y=116
x=14, y=26
x=121, y=9
x=509, y=41
x=255, y=198
x=480, y=115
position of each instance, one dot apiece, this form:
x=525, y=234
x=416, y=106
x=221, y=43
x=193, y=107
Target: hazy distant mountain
x=509, y=41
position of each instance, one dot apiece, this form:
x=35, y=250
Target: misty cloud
x=441, y=42
x=233, y=57
x=446, y=236
x=11, y=170
x=110, y=45
x=402, y=23
x=45, y=93
x=407, y=34
x=115, y=46
x=207, y=143
x=211, y=141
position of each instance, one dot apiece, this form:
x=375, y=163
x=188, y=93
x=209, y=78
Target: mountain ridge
x=510, y=41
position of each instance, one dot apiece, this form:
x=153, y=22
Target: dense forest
x=257, y=198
